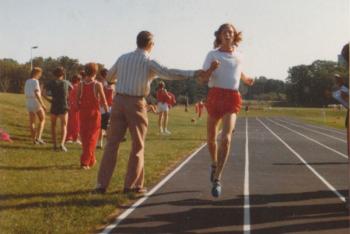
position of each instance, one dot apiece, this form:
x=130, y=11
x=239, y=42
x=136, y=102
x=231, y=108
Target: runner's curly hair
x=237, y=35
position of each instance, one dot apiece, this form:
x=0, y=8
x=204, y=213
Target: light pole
x=31, y=56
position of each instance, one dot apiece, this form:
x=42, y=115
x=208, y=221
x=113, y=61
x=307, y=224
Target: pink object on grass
x=4, y=136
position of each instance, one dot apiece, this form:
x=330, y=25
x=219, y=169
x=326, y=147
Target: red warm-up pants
x=90, y=124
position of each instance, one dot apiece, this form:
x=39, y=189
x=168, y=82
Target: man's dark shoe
x=135, y=190
x=99, y=191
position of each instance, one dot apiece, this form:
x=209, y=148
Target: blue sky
x=277, y=34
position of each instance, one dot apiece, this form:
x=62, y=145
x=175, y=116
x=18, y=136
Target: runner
x=224, y=100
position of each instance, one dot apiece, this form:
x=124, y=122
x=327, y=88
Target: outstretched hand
x=201, y=77
x=249, y=81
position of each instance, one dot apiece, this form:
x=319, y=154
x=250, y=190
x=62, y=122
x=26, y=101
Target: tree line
x=306, y=85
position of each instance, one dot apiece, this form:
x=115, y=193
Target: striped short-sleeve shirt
x=135, y=71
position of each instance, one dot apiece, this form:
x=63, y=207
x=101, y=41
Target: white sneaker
x=167, y=132
x=69, y=142
x=78, y=142
x=40, y=142
x=63, y=148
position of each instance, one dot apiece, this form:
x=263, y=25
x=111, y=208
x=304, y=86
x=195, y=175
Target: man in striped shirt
x=134, y=73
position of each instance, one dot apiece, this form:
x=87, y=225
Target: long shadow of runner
x=200, y=216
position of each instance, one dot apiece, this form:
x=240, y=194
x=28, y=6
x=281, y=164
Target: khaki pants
x=127, y=112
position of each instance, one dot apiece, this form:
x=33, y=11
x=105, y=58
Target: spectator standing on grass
x=163, y=99
x=58, y=89
x=345, y=96
x=199, y=108
x=345, y=60
x=90, y=95
x=73, y=126
x=35, y=105
x=224, y=100
x=342, y=94
x=134, y=73
x=108, y=88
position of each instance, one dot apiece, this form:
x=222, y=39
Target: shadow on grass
x=47, y=195
x=93, y=202
x=200, y=215
x=29, y=146
x=39, y=168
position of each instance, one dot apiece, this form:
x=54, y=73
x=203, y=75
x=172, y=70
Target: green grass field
x=46, y=192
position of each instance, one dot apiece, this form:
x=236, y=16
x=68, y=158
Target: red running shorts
x=223, y=101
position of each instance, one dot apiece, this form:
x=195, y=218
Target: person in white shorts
x=35, y=105
x=163, y=108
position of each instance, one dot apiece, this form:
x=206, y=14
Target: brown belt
x=127, y=95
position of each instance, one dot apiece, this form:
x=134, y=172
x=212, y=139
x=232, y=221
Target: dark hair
x=36, y=71
x=237, y=35
x=58, y=72
x=103, y=72
x=345, y=52
x=91, y=69
x=82, y=73
x=143, y=39
x=76, y=79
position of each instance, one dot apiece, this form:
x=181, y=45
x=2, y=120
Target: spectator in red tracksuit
x=164, y=101
x=73, y=127
x=90, y=93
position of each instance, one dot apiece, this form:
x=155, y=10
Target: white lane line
x=318, y=127
x=341, y=197
x=246, y=222
x=310, y=139
x=126, y=213
x=313, y=130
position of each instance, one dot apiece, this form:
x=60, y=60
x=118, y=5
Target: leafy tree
x=311, y=85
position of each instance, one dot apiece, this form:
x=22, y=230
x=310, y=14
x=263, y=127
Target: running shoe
x=216, y=190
